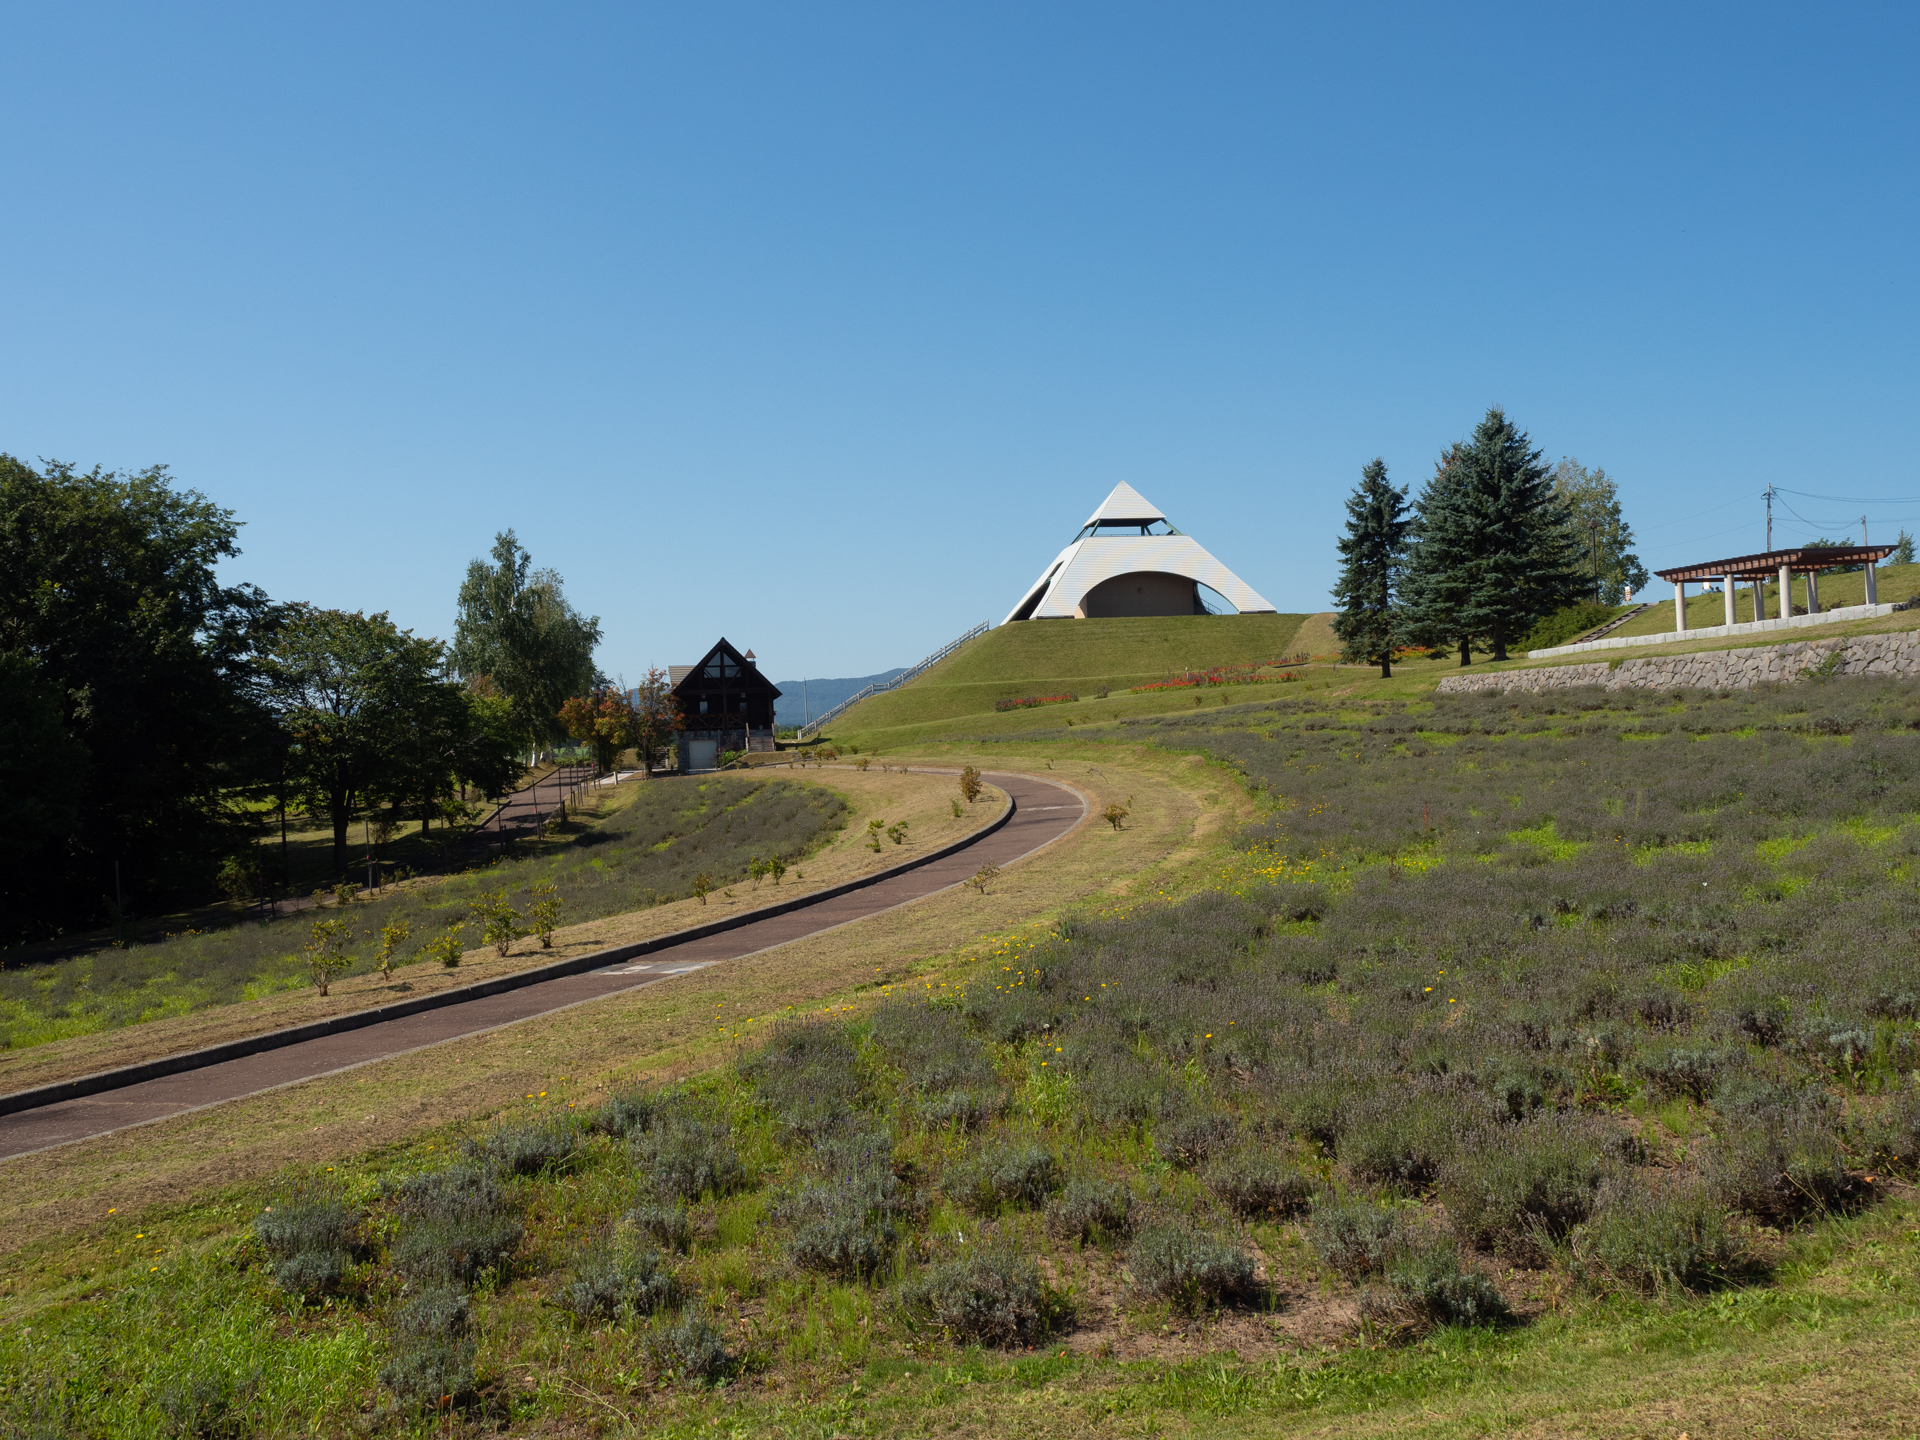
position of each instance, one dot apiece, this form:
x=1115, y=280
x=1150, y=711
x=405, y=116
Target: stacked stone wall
x=1897, y=655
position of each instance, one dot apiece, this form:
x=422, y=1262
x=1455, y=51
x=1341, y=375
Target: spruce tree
x=1524, y=569
x=1440, y=564
x=1494, y=552
x=1372, y=557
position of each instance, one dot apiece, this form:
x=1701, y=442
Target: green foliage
x=1427, y=1286
x=393, y=935
x=531, y=1147
x=447, y=947
x=133, y=705
x=1372, y=559
x=680, y=1155
x=1566, y=625
x=1357, y=1237
x=1090, y=1209
x=992, y=1295
x=1492, y=554
x=1260, y=1185
x=1677, y=1235
x=516, y=628
x=326, y=952
x=432, y=1361
x=1598, y=536
x=499, y=922
x=310, y=1240
x=616, y=1282
x=1190, y=1269
x=1005, y=1174
x=1519, y=1189
x=691, y=1349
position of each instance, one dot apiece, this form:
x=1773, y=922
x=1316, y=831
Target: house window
x=703, y=707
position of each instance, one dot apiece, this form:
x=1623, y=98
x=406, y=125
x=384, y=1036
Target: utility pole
x=1769, y=517
x=1863, y=532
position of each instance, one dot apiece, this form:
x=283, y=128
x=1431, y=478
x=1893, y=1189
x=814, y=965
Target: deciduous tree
x=516, y=627
x=1598, y=535
x=656, y=718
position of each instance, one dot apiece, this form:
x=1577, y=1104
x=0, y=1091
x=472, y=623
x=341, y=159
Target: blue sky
x=825, y=326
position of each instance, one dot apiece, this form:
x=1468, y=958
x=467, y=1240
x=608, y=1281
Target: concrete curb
x=104, y=1080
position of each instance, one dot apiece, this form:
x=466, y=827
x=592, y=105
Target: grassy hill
x=1046, y=657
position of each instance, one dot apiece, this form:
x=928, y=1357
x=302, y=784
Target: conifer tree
x=1439, y=564
x=1372, y=558
x=1494, y=553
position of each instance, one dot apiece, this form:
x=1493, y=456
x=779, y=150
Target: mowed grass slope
x=1047, y=657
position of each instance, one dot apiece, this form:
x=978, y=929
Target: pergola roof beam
x=1766, y=566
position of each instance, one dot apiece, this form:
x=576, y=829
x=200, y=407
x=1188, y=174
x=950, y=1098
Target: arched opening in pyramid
x=1128, y=560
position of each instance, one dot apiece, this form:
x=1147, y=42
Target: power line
x=1851, y=499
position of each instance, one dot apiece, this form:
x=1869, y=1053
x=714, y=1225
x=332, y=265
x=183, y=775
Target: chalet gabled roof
x=721, y=666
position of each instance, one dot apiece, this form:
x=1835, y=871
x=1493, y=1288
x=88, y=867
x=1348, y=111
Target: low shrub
x=617, y=1282
x=1893, y=1137
x=1401, y=1139
x=687, y=1157
x=1090, y=1209
x=1561, y=627
x=991, y=1295
x=690, y=1348
x=454, y=1224
x=669, y=1225
x=1781, y=1167
x=1427, y=1286
x=842, y=1233
x=1188, y=1268
x=1029, y=702
x=432, y=1359
x=1681, y=1071
x=1519, y=1189
x=962, y=1109
x=310, y=1241
x=1356, y=1237
x=205, y=1404
x=1676, y=1236
x=1022, y=1175
x=809, y=1074
x=1186, y=1137
x=625, y=1113
x=1258, y=1184
x=533, y=1147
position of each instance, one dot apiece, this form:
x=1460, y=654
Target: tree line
x=151, y=716
x=1494, y=543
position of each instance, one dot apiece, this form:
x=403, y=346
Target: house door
x=702, y=754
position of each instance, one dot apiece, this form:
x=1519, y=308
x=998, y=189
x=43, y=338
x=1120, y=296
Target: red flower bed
x=1027, y=702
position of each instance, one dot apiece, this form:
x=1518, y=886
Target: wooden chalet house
x=725, y=704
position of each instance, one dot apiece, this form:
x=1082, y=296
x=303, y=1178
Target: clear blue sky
x=824, y=326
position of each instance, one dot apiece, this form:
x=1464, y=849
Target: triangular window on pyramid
x=1127, y=560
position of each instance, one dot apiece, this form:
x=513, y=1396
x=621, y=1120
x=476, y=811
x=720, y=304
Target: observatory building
x=1127, y=560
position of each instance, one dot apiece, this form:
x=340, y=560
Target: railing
x=812, y=727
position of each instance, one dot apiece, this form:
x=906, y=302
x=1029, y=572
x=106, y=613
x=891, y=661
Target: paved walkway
x=1043, y=812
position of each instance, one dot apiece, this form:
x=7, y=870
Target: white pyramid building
x=1127, y=560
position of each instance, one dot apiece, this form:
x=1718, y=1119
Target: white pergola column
x=1813, y=593
x=1786, y=591
x=1759, y=598
x=1680, y=607
x=1726, y=589
x=1873, y=593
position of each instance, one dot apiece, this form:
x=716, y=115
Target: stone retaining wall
x=1715, y=669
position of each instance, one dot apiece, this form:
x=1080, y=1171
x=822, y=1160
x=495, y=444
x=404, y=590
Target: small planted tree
x=702, y=883
x=1115, y=815
x=984, y=877
x=327, y=952
x=447, y=947
x=393, y=935
x=970, y=785
x=776, y=867
x=897, y=832
x=499, y=921
x=544, y=913
x=756, y=868
x=874, y=828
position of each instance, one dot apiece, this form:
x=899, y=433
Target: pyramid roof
x=1125, y=503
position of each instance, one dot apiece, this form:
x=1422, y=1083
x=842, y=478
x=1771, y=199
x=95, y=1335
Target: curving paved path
x=1043, y=812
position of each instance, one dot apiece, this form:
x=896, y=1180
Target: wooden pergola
x=1809, y=561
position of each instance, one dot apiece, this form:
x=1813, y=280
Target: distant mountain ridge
x=803, y=699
